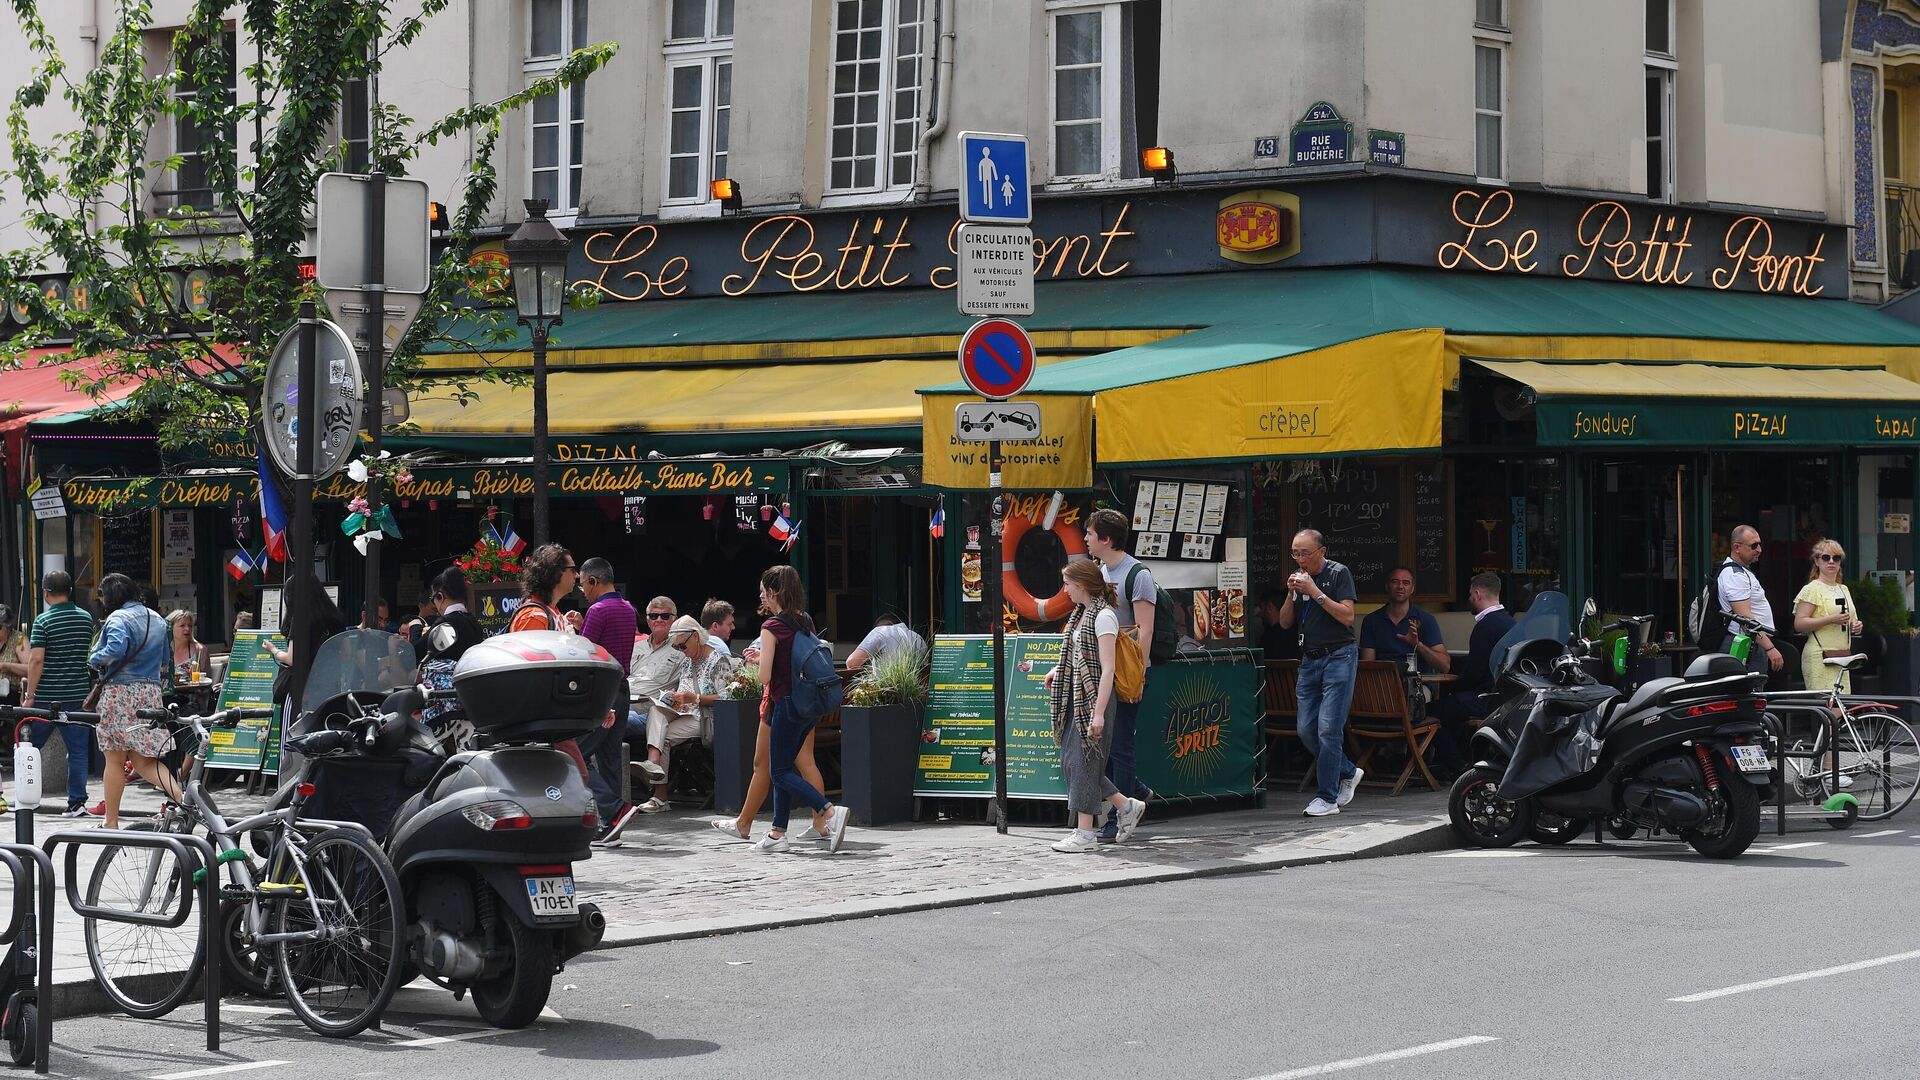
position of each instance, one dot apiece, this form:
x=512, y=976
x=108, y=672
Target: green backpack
x=1166, y=618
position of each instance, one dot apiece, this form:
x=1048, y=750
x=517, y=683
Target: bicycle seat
x=1846, y=663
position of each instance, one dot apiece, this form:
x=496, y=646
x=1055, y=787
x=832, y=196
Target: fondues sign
x=1648, y=245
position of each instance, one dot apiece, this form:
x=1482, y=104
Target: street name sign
x=994, y=272
x=993, y=179
x=996, y=358
x=985, y=421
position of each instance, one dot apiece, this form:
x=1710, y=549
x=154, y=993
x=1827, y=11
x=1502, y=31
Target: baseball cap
x=685, y=624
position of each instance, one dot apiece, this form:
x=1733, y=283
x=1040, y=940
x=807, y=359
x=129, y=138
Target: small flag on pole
x=509, y=540
x=938, y=526
x=781, y=528
x=240, y=565
x=792, y=535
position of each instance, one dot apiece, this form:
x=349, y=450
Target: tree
x=200, y=366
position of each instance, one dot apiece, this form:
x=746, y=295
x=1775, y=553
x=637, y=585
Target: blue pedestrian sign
x=993, y=179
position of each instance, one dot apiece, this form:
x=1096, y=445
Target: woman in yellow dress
x=1825, y=612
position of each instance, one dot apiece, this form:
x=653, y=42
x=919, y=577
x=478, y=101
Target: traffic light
x=437, y=221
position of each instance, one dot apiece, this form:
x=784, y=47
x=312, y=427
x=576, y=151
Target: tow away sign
x=985, y=421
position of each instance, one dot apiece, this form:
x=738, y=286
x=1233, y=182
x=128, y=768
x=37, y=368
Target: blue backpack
x=817, y=687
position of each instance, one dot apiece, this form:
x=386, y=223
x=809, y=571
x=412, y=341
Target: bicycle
x=327, y=904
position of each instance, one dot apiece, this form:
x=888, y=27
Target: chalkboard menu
x=1375, y=515
x=126, y=546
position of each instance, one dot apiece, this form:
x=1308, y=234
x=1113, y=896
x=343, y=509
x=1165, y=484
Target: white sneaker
x=1321, y=808
x=1845, y=780
x=1350, y=785
x=770, y=844
x=1076, y=842
x=811, y=833
x=1128, y=820
x=837, y=827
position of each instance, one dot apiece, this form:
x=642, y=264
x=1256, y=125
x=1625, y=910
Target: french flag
x=240, y=565
x=938, y=526
x=793, y=534
x=273, y=516
x=509, y=541
x=782, y=529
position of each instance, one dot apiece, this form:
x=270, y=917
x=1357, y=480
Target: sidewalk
x=675, y=877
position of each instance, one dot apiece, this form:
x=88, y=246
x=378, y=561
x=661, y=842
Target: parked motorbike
x=484, y=840
x=1559, y=750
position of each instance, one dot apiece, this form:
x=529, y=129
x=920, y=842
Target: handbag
x=92, y=702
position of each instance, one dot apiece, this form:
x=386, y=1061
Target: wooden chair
x=1282, y=704
x=1380, y=717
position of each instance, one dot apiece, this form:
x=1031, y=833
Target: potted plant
x=736, y=729
x=880, y=736
x=1882, y=610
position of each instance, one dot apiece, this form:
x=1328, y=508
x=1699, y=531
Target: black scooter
x=1562, y=752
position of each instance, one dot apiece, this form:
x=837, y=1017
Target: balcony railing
x=1903, y=235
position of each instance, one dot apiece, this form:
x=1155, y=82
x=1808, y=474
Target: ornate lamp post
x=537, y=254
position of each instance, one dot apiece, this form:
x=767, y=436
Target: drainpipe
x=943, y=93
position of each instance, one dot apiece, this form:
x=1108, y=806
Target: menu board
x=126, y=546
x=1180, y=519
x=1358, y=512
x=251, y=668
x=1375, y=515
x=956, y=737
x=1432, y=524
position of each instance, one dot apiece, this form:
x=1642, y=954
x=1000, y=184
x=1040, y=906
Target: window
x=1105, y=87
x=879, y=74
x=356, y=126
x=193, y=183
x=699, y=97
x=1890, y=134
x=557, y=128
x=1489, y=110
x=1659, y=133
x=1660, y=28
x=1491, y=14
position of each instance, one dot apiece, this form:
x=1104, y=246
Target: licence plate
x=1751, y=759
x=552, y=896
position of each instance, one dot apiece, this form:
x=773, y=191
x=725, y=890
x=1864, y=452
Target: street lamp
x=537, y=255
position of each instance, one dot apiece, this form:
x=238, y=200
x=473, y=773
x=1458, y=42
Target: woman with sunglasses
x=1824, y=612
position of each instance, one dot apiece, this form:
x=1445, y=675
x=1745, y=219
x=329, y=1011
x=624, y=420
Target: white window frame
x=179, y=92
x=1501, y=25
x=709, y=33
x=1673, y=32
x=708, y=53
x=1499, y=43
x=1111, y=165
x=562, y=211
x=882, y=190
x=1663, y=70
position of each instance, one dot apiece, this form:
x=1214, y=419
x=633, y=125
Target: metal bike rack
x=194, y=853
x=1814, y=701
x=15, y=858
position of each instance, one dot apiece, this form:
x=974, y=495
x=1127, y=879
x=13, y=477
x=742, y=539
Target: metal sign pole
x=300, y=543
x=994, y=590
x=373, y=292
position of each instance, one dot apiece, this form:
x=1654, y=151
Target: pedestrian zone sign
x=993, y=179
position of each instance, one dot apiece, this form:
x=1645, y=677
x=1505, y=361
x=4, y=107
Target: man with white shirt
x=1741, y=594
x=1457, y=710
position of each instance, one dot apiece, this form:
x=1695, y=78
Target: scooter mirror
x=442, y=637
x=1589, y=609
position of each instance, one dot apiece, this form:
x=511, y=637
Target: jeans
x=79, y=740
x=789, y=732
x=601, y=748
x=1325, y=691
x=1121, y=756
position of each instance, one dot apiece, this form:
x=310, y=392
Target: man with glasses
x=653, y=669
x=1320, y=601
x=1741, y=594
x=686, y=712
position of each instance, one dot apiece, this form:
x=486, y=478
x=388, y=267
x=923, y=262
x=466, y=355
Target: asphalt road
x=1553, y=963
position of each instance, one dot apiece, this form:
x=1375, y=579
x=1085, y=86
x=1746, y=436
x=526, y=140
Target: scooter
x=486, y=840
x=1681, y=755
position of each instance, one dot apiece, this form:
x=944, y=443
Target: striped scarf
x=1078, y=684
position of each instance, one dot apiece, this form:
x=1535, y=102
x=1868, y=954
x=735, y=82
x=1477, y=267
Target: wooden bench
x=1380, y=717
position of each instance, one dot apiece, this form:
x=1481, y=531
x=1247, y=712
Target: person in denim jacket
x=132, y=658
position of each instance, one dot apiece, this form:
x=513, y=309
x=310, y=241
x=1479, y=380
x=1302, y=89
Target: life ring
x=1023, y=602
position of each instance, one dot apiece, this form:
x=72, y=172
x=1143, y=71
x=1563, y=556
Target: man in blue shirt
x=1458, y=710
x=1320, y=602
x=1400, y=628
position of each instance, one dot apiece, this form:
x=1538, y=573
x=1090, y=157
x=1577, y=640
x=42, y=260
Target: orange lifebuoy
x=1018, y=598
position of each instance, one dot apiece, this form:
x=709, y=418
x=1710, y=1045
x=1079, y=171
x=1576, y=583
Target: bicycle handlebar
x=57, y=716
x=224, y=719
x=1751, y=623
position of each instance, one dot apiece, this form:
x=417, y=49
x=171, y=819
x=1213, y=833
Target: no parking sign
x=996, y=358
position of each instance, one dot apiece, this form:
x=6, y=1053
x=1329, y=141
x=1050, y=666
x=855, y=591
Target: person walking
x=784, y=600
x=58, y=678
x=1084, y=705
x=1824, y=611
x=610, y=623
x=1320, y=601
x=132, y=659
x=1106, y=537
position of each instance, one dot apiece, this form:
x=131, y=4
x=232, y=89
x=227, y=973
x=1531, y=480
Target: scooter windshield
x=1549, y=619
x=358, y=660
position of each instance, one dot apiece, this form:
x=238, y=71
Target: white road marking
x=243, y=1066
x=227, y=1006
x=1785, y=847
x=436, y=1040
x=1782, y=980
x=1488, y=853
x=1375, y=1059
x=548, y=1014
x=1871, y=835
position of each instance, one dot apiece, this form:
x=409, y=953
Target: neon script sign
x=1613, y=242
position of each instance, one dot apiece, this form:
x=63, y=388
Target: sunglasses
x=653, y=615
x=681, y=645
x=571, y=568
x=1828, y=557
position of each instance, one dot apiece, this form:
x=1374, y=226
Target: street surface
x=1633, y=959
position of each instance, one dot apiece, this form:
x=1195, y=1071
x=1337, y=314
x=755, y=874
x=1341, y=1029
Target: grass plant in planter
x=880, y=736
x=736, y=728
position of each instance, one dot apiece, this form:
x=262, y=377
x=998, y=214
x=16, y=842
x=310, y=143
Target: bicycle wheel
x=346, y=902
x=146, y=970
x=1880, y=755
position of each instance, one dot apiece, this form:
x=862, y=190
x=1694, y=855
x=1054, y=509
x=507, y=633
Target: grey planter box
x=736, y=728
x=1900, y=665
x=879, y=749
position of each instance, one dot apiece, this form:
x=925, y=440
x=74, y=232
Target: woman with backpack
x=782, y=600
x=1083, y=707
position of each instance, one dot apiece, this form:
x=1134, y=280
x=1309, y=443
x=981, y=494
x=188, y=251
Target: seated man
x=1401, y=629
x=717, y=615
x=888, y=636
x=681, y=715
x=1454, y=710
x=654, y=670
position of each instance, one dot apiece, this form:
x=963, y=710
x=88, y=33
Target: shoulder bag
x=92, y=702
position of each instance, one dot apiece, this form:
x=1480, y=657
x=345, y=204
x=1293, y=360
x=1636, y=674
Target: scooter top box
x=537, y=685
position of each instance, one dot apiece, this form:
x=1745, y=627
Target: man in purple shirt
x=612, y=625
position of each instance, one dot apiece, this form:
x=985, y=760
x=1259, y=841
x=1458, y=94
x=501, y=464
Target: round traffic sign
x=337, y=403
x=996, y=358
